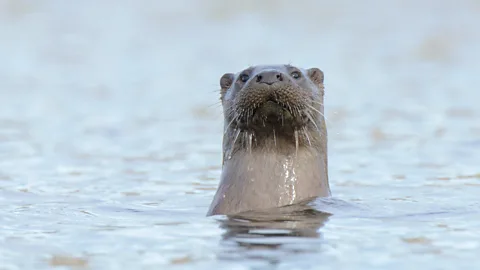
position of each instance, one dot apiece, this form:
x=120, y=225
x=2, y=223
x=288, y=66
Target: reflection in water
x=269, y=236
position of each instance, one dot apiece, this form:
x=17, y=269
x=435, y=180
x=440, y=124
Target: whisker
x=313, y=108
x=299, y=111
x=245, y=135
x=274, y=138
x=218, y=104
x=312, y=120
x=306, y=135
x=296, y=141
x=250, y=137
x=226, y=129
x=319, y=103
x=233, y=144
x=293, y=109
x=290, y=107
x=230, y=113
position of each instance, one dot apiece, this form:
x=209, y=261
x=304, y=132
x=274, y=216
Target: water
x=110, y=133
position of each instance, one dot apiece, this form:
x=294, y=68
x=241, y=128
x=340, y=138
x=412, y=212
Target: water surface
x=110, y=133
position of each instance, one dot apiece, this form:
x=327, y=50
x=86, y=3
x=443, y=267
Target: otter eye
x=244, y=77
x=296, y=75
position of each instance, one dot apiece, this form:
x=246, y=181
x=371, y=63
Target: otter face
x=265, y=98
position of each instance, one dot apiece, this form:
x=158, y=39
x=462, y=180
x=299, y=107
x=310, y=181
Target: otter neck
x=264, y=177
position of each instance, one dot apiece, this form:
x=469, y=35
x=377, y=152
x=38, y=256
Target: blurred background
x=111, y=129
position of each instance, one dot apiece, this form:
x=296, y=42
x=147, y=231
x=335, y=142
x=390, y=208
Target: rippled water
x=110, y=133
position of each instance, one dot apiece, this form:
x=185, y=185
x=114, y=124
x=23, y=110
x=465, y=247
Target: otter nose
x=269, y=77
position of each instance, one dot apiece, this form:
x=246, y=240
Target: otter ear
x=226, y=81
x=316, y=75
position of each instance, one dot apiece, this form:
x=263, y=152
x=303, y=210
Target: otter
x=275, y=139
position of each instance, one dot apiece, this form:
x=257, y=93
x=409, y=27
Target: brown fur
x=275, y=143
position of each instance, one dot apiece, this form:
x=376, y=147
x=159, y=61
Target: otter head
x=264, y=104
